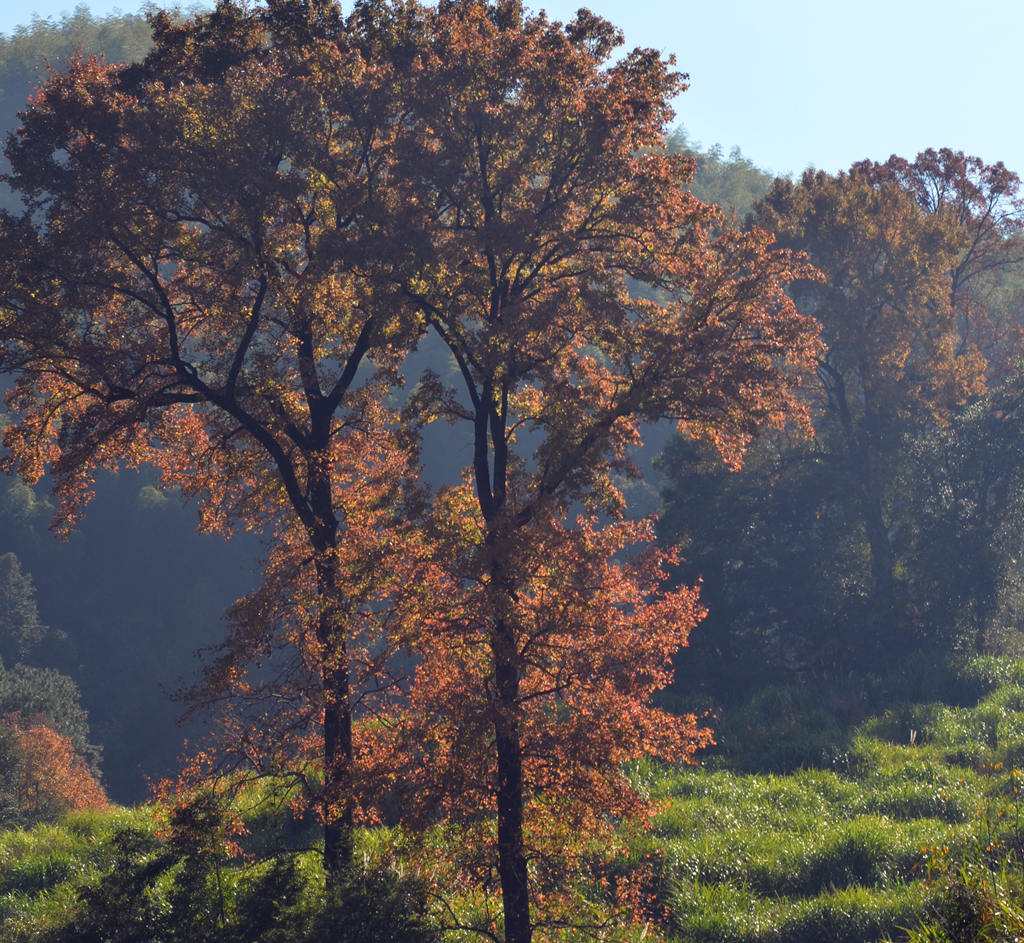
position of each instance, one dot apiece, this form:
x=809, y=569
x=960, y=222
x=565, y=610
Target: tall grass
x=907, y=826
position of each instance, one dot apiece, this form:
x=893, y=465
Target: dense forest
x=676, y=597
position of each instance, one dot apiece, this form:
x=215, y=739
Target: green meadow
x=911, y=830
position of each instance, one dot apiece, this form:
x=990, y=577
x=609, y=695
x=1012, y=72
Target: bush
x=159, y=892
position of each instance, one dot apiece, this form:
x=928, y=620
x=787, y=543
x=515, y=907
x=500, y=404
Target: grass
x=889, y=833
x=848, y=852
x=810, y=856
x=717, y=913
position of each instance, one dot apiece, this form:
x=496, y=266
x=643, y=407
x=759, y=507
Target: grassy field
x=917, y=819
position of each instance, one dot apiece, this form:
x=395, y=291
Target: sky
x=798, y=83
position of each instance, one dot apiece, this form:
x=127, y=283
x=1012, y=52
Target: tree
x=541, y=189
x=983, y=201
x=54, y=698
x=45, y=775
x=733, y=182
x=221, y=243
x=26, y=54
x=20, y=628
x=593, y=639
x=785, y=547
x=966, y=501
x=895, y=356
x=190, y=285
x=26, y=690
x=262, y=684
x=778, y=549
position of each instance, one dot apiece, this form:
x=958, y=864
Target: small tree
x=20, y=628
x=46, y=775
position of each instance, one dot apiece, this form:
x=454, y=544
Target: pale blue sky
x=799, y=82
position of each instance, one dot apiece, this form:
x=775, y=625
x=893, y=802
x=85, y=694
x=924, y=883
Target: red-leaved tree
x=194, y=283
x=45, y=774
x=594, y=634
x=227, y=252
x=580, y=291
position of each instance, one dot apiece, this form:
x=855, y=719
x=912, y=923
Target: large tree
x=544, y=194
x=220, y=241
x=190, y=284
x=896, y=355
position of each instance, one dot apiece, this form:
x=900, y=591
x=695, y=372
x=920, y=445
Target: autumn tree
x=984, y=202
x=45, y=694
x=262, y=685
x=42, y=774
x=191, y=285
x=593, y=636
x=226, y=253
x=895, y=355
x=784, y=547
x=540, y=190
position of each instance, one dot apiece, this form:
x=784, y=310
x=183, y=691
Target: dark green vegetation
x=109, y=877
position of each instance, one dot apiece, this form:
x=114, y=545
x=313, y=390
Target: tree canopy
x=229, y=249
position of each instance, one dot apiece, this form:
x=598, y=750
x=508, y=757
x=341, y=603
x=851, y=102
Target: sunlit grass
x=837, y=853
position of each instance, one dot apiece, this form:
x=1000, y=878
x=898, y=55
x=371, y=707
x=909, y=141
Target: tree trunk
x=869, y=499
x=882, y=561
x=512, y=871
x=336, y=803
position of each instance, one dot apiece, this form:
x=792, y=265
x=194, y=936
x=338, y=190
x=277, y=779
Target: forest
x=447, y=503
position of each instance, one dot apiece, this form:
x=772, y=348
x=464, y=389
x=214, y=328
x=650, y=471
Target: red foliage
x=227, y=252
x=51, y=778
x=594, y=640
x=594, y=635
x=985, y=205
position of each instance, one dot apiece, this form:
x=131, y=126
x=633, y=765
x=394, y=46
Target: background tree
x=20, y=628
x=54, y=697
x=799, y=507
x=734, y=182
x=26, y=690
x=894, y=356
x=965, y=504
x=983, y=201
x=777, y=547
x=30, y=50
x=43, y=773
